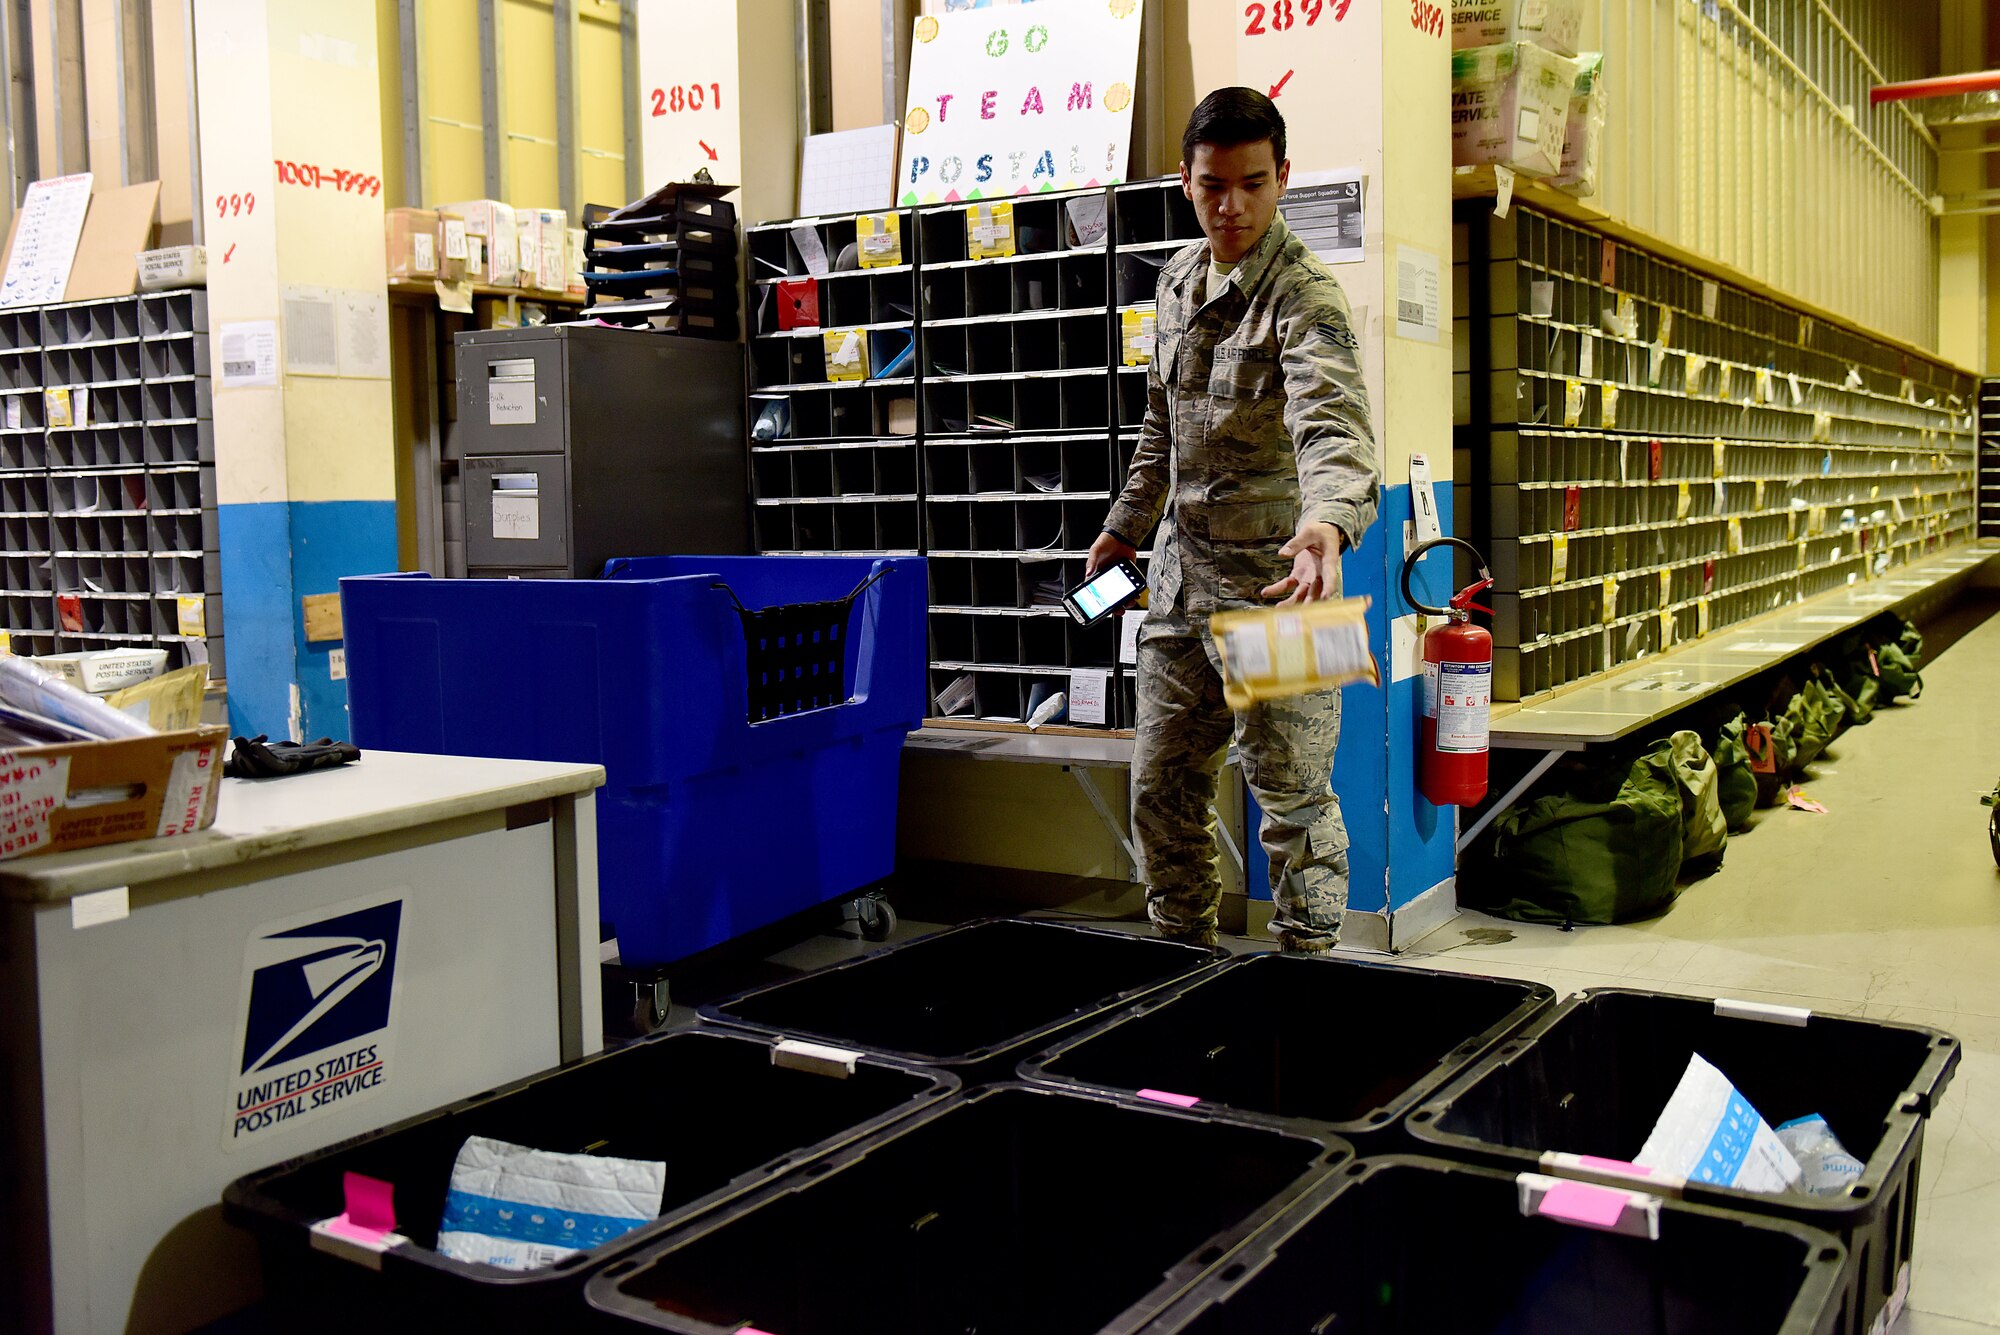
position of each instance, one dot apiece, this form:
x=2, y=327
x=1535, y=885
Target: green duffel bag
x=1816, y=718
x=1704, y=829
x=1770, y=771
x=1605, y=848
x=1858, y=693
x=1898, y=673
x=1736, y=781
x=1911, y=642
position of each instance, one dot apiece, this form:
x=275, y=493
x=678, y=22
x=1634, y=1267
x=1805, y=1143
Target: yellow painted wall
x=600, y=113
x=453, y=140
x=453, y=144
x=854, y=30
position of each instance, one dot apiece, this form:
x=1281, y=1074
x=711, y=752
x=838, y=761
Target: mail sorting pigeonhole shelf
x=1007, y=1210
x=724, y=1113
x=1191, y=1043
x=749, y=713
x=974, y=999
x=1592, y=1077
x=1414, y=1246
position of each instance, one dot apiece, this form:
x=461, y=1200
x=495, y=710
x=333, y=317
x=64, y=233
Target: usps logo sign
x=317, y=1016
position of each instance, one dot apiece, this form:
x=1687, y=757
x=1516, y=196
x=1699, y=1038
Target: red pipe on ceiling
x=1950, y=85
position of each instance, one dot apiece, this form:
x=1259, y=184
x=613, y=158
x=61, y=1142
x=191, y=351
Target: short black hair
x=1229, y=117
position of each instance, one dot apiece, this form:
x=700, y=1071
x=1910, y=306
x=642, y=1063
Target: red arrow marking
x=1279, y=86
x=706, y=149
x=227, y=253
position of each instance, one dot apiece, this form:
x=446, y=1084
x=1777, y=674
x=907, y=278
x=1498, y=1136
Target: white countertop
x=383, y=792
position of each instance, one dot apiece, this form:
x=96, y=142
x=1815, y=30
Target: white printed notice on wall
x=1019, y=100
x=1326, y=212
x=1419, y=294
x=248, y=354
x=45, y=241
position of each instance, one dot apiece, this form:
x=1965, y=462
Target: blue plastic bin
x=709, y=825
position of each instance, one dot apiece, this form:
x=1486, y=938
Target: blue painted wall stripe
x=331, y=539
x=273, y=554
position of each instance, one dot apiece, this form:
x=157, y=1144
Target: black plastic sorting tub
x=1006, y=1210
x=1347, y=1044
x=1414, y=1246
x=974, y=999
x=1593, y=1076
x=719, y=1109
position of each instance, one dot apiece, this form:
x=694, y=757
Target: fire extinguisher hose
x=1460, y=601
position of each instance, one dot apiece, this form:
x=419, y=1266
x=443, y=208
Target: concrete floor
x=1886, y=907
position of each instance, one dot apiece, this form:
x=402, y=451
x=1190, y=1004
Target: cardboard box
x=122, y=221
x=1510, y=107
x=576, y=287
x=1554, y=24
x=413, y=244
x=83, y=794
x=544, y=239
x=451, y=247
x=104, y=670
x=496, y=261
x=176, y=266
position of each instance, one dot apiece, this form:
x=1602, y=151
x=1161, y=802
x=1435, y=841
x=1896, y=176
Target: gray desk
x=1641, y=694
x=1078, y=755
x=343, y=949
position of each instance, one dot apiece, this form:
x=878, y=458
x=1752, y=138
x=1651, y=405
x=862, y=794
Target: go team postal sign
x=317, y=1015
x=1019, y=100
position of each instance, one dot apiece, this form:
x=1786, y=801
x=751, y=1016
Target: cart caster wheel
x=877, y=920
x=651, y=1002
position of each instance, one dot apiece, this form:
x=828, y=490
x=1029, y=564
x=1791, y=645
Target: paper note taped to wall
x=1419, y=288
x=249, y=354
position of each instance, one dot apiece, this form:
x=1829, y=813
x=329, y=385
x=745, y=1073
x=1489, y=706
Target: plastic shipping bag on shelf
x=1710, y=1134
x=1584, y=138
x=1510, y=107
x=522, y=1209
x=1271, y=652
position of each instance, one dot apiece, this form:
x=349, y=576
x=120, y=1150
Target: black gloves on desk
x=258, y=758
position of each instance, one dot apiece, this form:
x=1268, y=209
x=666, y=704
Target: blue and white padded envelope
x=522, y=1209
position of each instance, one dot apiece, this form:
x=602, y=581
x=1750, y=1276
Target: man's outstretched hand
x=1314, y=550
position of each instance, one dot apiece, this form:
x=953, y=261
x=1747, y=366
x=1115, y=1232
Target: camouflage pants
x=1286, y=750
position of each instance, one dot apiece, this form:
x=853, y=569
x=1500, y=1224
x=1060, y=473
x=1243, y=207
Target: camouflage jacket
x=1256, y=417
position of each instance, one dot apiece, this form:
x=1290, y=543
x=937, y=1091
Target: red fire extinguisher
x=1458, y=689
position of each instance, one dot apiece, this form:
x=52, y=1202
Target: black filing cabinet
x=580, y=443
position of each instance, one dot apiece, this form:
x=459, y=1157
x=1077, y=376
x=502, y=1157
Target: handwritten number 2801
x=1283, y=14
x=687, y=97
x=235, y=206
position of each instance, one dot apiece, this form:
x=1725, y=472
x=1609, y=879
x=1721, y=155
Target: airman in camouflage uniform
x=1256, y=426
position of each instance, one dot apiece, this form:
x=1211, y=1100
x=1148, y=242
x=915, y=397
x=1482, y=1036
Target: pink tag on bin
x=1177, y=1100
x=371, y=1208
x=1597, y=1207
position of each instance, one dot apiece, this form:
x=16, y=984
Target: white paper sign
x=1088, y=688
x=517, y=516
x=1419, y=289
x=849, y=171
x=1128, y=636
x=510, y=403
x=51, y=223
x=1327, y=211
x=249, y=354
x=1014, y=101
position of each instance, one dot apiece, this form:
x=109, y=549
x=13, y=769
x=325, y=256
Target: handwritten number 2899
x=1283, y=14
